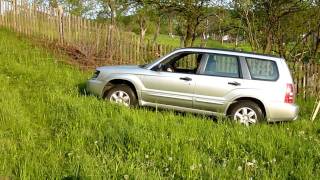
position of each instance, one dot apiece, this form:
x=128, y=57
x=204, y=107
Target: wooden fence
x=100, y=44
x=306, y=78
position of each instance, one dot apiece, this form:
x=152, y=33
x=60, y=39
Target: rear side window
x=222, y=65
x=263, y=69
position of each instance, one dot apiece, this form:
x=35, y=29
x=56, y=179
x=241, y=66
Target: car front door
x=172, y=81
x=218, y=77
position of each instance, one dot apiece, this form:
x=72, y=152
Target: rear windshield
x=261, y=69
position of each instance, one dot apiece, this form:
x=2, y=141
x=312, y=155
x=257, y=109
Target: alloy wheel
x=120, y=97
x=246, y=116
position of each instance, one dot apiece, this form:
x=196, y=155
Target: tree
x=191, y=13
x=262, y=19
x=113, y=9
x=142, y=18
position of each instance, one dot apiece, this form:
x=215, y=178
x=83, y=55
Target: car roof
x=231, y=52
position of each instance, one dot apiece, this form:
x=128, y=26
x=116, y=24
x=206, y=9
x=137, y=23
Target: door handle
x=234, y=83
x=186, y=78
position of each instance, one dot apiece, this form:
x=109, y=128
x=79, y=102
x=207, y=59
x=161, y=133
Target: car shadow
x=181, y=113
x=82, y=89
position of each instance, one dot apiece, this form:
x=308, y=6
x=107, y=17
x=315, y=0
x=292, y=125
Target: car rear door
x=219, y=76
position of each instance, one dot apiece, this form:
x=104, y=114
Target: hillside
x=49, y=128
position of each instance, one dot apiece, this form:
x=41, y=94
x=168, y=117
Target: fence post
x=14, y=15
x=61, y=24
x=1, y=17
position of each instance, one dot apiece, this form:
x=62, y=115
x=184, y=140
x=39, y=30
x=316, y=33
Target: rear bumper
x=283, y=112
x=95, y=87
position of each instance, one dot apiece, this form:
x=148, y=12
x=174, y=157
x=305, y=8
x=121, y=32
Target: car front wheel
x=122, y=94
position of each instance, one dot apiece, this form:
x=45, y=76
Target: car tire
x=122, y=94
x=246, y=112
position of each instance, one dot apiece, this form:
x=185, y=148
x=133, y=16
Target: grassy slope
x=49, y=129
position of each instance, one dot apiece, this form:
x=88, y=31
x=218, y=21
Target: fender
x=133, y=79
x=247, y=93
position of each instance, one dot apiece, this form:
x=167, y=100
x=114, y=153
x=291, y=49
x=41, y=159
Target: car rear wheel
x=246, y=113
x=122, y=94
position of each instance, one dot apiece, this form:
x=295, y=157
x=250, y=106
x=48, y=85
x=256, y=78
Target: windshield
x=145, y=66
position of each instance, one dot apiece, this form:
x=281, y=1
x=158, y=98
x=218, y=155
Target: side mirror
x=159, y=67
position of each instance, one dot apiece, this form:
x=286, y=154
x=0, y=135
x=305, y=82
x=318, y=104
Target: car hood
x=120, y=69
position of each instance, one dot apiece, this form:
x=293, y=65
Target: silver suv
x=246, y=87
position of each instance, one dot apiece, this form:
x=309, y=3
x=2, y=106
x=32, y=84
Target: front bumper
x=283, y=112
x=95, y=87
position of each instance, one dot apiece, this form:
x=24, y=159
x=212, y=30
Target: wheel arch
x=255, y=100
x=111, y=83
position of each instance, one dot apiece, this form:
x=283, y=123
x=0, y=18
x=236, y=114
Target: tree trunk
x=111, y=38
x=281, y=47
x=182, y=41
x=142, y=35
x=204, y=40
x=113, y=21
x=237, y=39
x=250, y=31
x=188, y=37
x=268, y=46
x=170, y=26
x=143, y=29
x=317, y=43
x=156, y=34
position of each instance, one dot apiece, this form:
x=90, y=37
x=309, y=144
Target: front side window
x=182, y=63
x=262, y=69
x=222, y=65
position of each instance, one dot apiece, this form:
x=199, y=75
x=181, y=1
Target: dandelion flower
x=224, y=164
x=249, y=164
x=126, y=177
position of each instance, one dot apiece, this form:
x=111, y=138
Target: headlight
x=96, y=74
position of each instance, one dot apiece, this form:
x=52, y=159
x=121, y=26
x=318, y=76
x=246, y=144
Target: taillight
x=289, y=98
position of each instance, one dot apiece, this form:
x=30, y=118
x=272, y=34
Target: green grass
x=50, y=129
x=175, y=42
